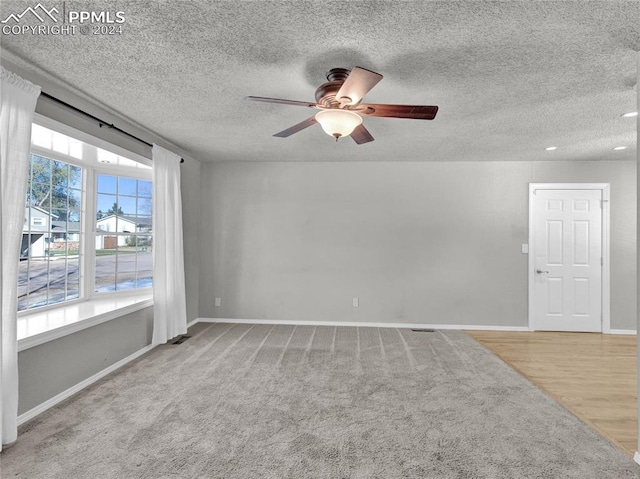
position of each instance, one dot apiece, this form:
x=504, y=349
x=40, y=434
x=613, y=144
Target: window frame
x=41, y=153
x=92, y=283
x=87, y=256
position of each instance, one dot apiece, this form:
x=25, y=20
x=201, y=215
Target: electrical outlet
x=356, y=303
x=218, y=302
x=525, y=249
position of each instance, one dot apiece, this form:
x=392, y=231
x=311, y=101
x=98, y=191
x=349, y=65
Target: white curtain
x=17, y=103
x=169, y=297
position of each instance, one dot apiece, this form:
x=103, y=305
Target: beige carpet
x=243, y=401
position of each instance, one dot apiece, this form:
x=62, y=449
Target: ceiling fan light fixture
x=337, y=99
x=338, y=123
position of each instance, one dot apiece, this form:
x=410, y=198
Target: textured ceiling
x=510, y=78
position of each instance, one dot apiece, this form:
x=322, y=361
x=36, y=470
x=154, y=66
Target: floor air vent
x=423, y=330
x=181, y=339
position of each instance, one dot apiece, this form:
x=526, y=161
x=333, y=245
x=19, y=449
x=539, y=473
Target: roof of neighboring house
x=48, y=213
x=69, y=227
x=136, y=220
x=141, y=220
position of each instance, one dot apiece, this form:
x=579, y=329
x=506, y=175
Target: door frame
x=605, y=189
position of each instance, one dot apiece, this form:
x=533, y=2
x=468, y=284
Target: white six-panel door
x=567, y=260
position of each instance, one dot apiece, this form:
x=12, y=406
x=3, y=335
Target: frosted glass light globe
x=338, y=123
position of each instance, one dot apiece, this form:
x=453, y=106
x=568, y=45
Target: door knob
x=539, y=271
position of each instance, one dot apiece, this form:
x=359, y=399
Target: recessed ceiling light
x=631, y=114
x=551, y=148
x=620, y=148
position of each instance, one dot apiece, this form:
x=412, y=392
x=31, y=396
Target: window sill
x=42, y=326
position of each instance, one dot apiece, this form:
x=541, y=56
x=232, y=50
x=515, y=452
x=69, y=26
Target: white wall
x=53, y=367
x=416, y=242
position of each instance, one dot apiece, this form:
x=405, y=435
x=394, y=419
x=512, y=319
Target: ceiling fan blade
x=296, y=128
x=280, y=100
x=417, y=112
x=361, y=135
x=359, y=82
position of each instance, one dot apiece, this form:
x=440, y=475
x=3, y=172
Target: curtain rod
x=102, y=123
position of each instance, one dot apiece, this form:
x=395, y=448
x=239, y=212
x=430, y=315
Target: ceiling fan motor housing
x=338, y=74
x=326, y=93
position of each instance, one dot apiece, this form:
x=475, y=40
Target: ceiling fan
x=341, y=110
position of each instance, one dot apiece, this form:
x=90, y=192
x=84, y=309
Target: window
x=88, y=225
x=52, y=140
x=49, y=254
x=123, y=234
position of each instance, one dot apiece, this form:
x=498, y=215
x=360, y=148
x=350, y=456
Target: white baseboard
x=636, y=457
x=632, y=332
x=22, y=418
x=470, y=327
x=363, y=324
x=195, y=321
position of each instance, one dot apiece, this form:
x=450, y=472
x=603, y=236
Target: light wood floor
x=592, y=375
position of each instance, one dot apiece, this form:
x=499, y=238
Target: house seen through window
x=50, y=249
x=88, y=221
x=123, y=234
